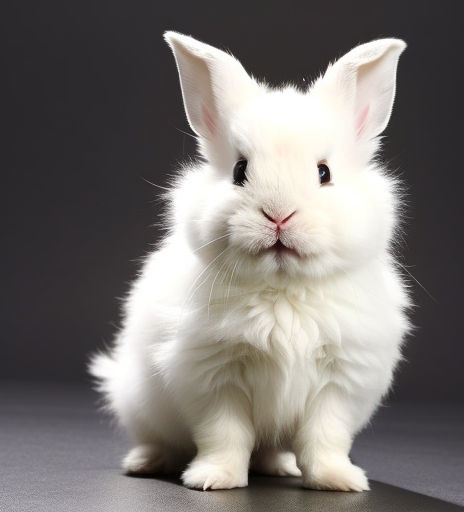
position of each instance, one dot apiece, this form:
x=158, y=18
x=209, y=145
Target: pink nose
x=279, y=222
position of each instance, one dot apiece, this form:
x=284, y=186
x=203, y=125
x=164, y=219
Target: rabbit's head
x=290, y=186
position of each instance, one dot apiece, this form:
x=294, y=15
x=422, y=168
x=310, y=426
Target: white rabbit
x=265, y=329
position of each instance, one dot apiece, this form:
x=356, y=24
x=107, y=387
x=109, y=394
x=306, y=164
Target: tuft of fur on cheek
x=206, y=221
x=250, y=232
x=310, y=235
x=360, y=221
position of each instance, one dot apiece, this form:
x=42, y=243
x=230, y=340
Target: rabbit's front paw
x=147, y=460
x=206, y=475
x=336, y=475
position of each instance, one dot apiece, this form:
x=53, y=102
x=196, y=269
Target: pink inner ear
x=361, y=121
x=208, y=120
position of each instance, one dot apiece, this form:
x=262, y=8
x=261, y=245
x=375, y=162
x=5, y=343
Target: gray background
x=92, y=106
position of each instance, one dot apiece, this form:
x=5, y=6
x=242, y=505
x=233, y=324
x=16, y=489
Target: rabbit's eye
x=324, y=174
x=240, y=172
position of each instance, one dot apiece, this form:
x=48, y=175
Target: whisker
x=230, y=282
x=211, y=242
x=189, y=297
x=155, y=185
x=418, y=282
x=212, y=285
x=185, y=133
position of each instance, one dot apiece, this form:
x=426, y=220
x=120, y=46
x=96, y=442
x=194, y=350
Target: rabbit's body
x=226, y=355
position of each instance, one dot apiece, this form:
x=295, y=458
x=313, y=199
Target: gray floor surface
x=58, y=453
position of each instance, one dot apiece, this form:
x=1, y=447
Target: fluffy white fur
x=232, y=354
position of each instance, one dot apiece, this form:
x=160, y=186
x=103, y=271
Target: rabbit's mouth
x=281, y=249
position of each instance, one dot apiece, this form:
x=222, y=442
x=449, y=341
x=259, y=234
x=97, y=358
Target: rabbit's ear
x=213, y=83
x=365, y=79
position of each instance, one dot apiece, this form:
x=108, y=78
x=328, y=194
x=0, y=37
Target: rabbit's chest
x=292, y=345
x=291, y=355
x=289, y=330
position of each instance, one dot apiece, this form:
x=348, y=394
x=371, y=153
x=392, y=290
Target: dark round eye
x=240, y=172
x=324, y=174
